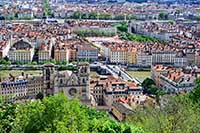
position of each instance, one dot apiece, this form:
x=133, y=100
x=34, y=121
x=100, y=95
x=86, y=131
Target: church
x=73, y=83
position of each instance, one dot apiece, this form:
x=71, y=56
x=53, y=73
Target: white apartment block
x=144, y=59
x=163, y=57
x=175, y=83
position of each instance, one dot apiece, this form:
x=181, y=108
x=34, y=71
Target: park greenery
x=53, y=61
x=149, y=87
x=60, y=115
x=178, y=114
x=93, y=33
x=47, y=10
x=122, y=27
x=101, y=16
x=125, y=35
x=5, y=62
x=163, y=16
x=198, y=18
x=135, y=37
x=68, y=67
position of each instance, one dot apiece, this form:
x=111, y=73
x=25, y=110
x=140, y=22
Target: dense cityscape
x=108, y=66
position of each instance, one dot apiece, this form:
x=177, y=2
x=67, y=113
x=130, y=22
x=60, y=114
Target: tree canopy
x=58, y=114
x=180, y=114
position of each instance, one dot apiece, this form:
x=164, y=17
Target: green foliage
x=179, y=115
x=150, y=88
x=93, y=33
x=123, y=33
x=147, y=83
x=195, y=95
x=138, y=38
x=68, y=67
x=198, y=18
x=46, y=7
x=5, y=67
x=40, y=96
x=59, y=63
x=172, y=22
x=105, y=16
x=140, y=1
x=53, y=61
x=19, y=62
x=92, y=15
x=5, y=62
x=60, y=115
x=101, y=16
x=7, y=117
x=123, y=27
x=62, y=62
x=163, y=16
x=34, y=63
x=76, y=15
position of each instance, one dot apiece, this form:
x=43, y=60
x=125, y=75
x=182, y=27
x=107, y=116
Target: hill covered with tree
x=178, y=114
x=58, y=114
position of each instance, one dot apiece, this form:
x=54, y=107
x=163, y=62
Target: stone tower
x=84, y=75
x=48, y=78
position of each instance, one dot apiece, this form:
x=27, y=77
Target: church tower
x=48, y=78
x=84, y=75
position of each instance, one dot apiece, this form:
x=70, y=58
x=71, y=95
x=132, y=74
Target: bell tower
x=84, y=75
x=48, y=78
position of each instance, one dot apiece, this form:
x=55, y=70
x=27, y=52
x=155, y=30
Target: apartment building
x=132, y=56
x=123, y=55
x=177, y=82
x=108, y=89
x=144, y=59
x=44, y=52
x=14, y=89
x=163, y=57
x=118, y=55
x=180, y=61
x=87, y=53
x=157, y=71
x=61, y=54
x=72, y=54
x=4, y=48
x=21, y=51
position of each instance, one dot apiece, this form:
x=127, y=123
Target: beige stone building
x=21, y=51
x=44, y=52
x=123, y=55
x=61, y=54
